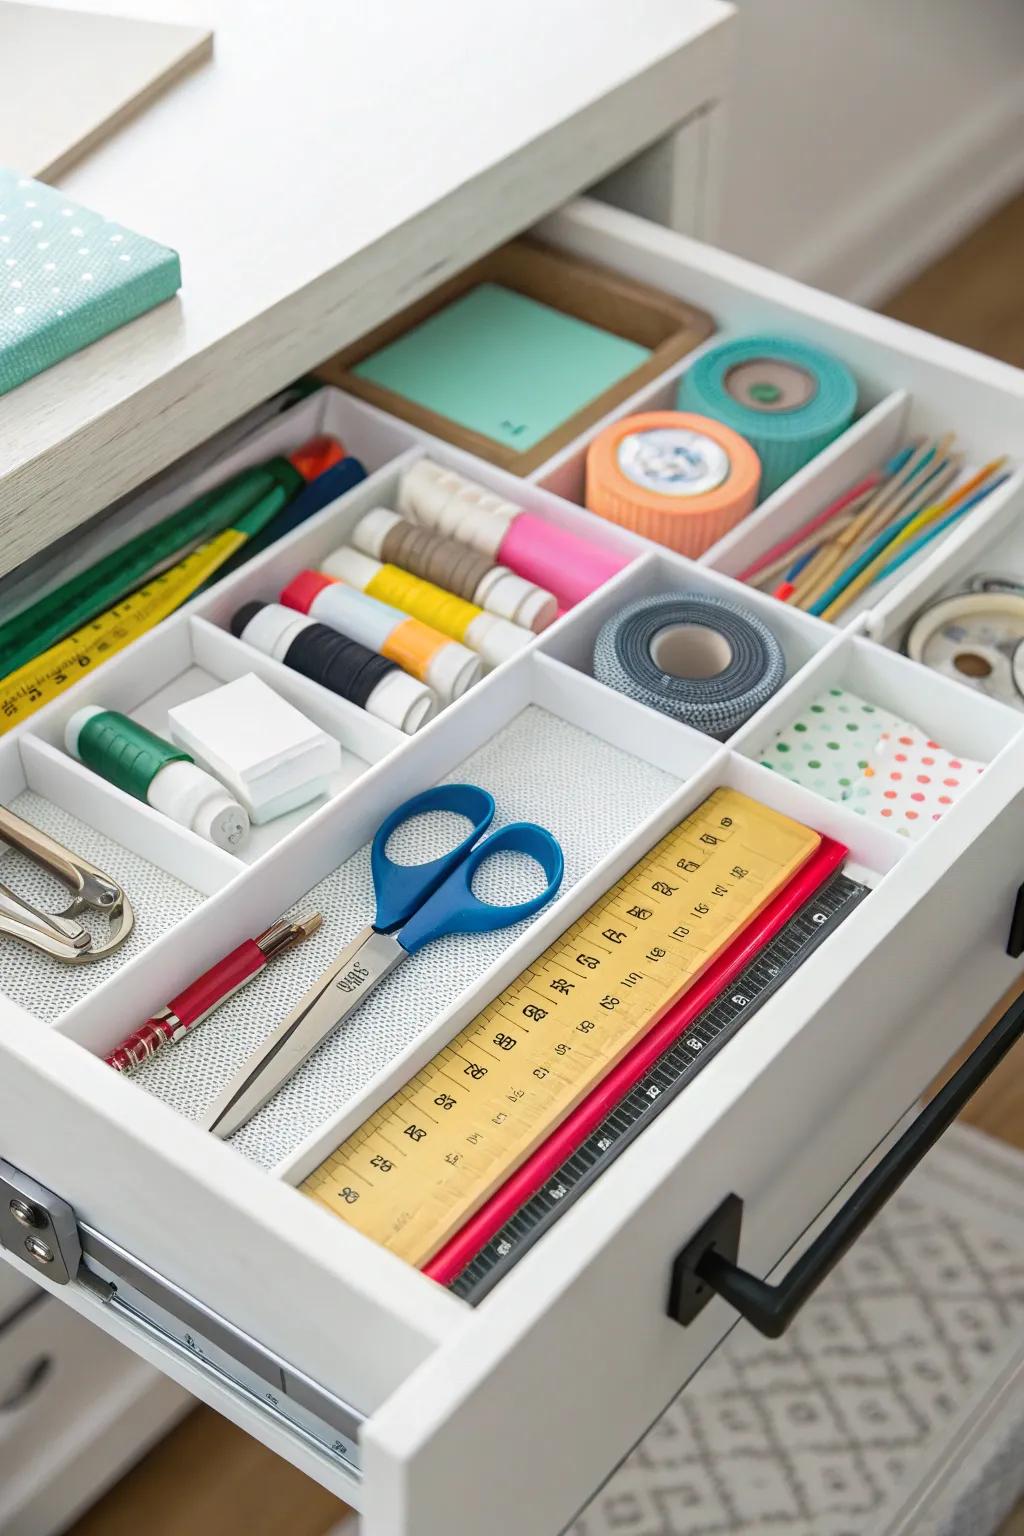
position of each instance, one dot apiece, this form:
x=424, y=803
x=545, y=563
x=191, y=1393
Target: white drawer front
x=782, y=1117
x=461, y=1417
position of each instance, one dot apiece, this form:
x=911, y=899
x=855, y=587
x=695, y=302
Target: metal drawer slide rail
x=40, y=1228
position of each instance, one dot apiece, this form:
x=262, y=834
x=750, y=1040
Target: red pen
x=208, y=991
x=562, y=1142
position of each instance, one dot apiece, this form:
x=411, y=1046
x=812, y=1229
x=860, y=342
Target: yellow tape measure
x=31, y=686
x=429, y=1158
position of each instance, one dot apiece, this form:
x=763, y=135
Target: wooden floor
x=234, y=1487
x=207, y=1478
x=974, y=295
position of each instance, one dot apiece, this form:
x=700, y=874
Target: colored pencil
x=783, y=547
x=961, y=493
x=831, y=554
x=866, y=552
x=910, y=550
x=890, y=500
x=918, y=532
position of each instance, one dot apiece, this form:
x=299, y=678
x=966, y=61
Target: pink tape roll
x=557, y=560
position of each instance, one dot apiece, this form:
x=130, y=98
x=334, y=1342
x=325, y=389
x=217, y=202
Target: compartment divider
x=571, y=638
x=822, y=671
x=872, y=847
x=871, y=439
x=12, y=769
x=122, y=683
x=622, y=722
x=226, y=657
x=958, y=718
x=372, y=436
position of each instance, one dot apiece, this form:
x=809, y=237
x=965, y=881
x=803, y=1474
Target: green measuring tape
x=43, y=677
x=254, y=497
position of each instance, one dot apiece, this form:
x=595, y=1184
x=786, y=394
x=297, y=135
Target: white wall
x=865, y=136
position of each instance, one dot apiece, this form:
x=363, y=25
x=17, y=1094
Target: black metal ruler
x=660, y=1084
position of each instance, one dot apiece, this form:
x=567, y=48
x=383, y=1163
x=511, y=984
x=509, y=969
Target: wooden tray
x=669, y=327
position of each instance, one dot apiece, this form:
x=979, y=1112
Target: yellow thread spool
x=431, y=605
x=492, y=638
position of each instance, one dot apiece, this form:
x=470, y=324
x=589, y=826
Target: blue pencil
x=910, y=549
x=798, y=565
x=872, y=550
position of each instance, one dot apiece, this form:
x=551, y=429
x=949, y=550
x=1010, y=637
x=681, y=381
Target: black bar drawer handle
x=707, y=1266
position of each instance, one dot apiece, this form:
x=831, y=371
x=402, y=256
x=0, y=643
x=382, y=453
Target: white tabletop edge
x=287, y=294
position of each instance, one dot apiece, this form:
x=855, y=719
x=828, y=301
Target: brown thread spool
x=453, y=566
x=444, y=561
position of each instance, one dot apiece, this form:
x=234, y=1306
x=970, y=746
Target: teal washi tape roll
x=788, y=399
x=702, y=660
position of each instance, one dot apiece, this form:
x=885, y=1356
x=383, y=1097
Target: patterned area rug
x=868, y=1417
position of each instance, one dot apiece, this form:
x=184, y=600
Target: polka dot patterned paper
x=847, y=749
x=911, y=781
x=828, y=747
x=67, y=277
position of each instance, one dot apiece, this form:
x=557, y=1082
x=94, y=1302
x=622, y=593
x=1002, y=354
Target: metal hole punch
x=57, y=933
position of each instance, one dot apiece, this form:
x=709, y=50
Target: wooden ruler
x=413, y=1173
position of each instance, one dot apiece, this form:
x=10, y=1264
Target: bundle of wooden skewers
x=873, y=528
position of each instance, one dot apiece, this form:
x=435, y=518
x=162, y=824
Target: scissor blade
x=332, y=997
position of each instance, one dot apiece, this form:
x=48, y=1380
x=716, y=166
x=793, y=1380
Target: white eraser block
x=257, y=743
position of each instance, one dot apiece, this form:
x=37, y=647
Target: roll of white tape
x=974, y=637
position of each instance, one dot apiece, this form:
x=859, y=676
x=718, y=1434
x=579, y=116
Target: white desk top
x=328, y=165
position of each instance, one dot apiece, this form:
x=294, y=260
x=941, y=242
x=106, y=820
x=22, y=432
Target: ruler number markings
x=537, y=1049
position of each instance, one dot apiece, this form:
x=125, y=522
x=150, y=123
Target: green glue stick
x=151, y=769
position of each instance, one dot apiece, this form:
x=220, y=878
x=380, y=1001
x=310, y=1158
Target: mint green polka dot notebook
x=67, y=277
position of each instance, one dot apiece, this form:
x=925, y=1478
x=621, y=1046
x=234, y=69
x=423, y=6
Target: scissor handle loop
x=453, y=908
x=402, y=888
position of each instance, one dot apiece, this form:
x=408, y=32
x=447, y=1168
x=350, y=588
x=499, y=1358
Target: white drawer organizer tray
x=427, y=1414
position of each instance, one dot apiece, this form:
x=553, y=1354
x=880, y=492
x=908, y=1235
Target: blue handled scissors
x=416, y=903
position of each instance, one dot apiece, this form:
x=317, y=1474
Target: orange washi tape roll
x=680, y=479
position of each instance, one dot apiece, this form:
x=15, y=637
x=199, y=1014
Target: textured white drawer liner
x=539, y=768
x=47, y=987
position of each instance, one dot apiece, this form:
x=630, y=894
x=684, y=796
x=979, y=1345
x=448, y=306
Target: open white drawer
x=331, y=1350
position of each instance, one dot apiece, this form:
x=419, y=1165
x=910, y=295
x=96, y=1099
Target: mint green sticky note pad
x=504, y=365
x=67, y=277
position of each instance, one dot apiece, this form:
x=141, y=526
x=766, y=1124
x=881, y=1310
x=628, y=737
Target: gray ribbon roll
x=703, y=660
